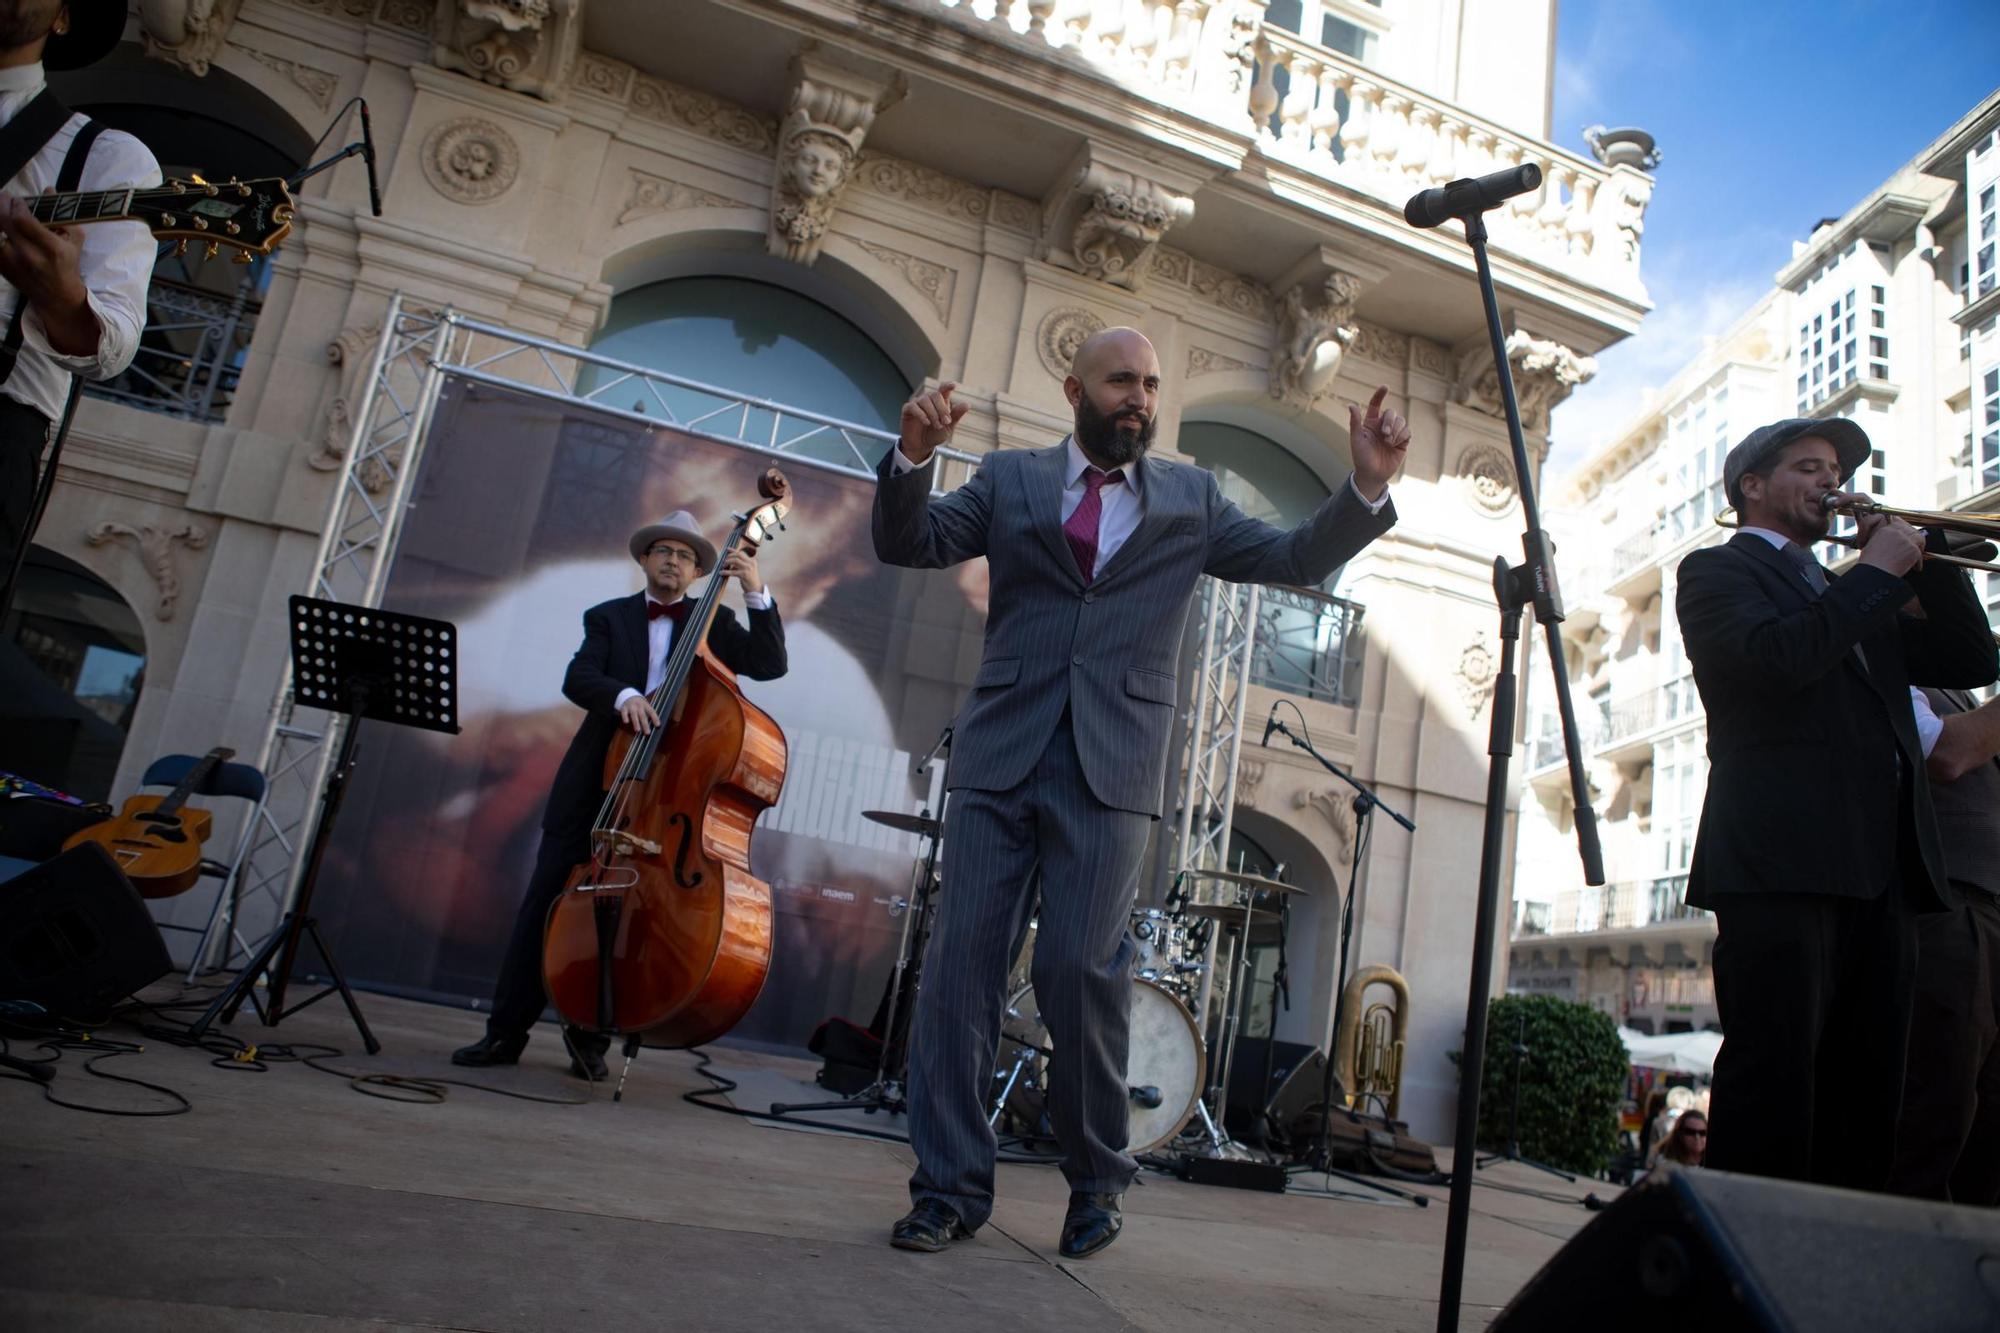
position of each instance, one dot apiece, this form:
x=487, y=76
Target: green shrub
x=1572, y=1081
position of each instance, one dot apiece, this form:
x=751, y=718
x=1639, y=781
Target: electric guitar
x=156, y=840
x=250, y=217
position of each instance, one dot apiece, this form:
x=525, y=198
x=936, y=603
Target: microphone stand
x=1514, y=587
x=1366, y=803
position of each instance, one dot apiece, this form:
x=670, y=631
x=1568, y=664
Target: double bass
x=664, y=935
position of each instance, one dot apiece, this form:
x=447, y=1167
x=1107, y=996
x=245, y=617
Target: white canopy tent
x=1676, y=1052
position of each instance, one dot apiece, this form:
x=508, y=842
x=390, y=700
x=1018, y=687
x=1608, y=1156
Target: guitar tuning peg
x=240, y=257
x=181, y=248
x=210, y=250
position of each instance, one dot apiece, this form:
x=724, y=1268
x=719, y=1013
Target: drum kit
x=1190, y=958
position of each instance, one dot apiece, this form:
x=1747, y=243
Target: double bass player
x=627, y=643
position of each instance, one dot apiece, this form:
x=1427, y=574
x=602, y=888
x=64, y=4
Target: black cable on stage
x=59, y=1042
x=722, y=1087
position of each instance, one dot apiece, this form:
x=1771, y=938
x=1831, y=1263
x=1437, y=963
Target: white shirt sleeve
x=760, y=601
x=1374, y=506
x=1929, y=725
x=900, y=464
x=627, y=693
x=117, y=264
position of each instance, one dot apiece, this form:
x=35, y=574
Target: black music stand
x=367, y=663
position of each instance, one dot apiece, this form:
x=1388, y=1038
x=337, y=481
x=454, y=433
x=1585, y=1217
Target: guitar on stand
x=156, y=840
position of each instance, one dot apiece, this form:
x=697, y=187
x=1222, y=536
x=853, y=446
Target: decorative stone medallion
x=470, y=160
x=1060, y=333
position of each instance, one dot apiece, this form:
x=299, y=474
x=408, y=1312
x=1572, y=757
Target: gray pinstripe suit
x=1060, y=758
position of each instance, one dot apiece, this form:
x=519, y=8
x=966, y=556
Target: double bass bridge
x=618, y=842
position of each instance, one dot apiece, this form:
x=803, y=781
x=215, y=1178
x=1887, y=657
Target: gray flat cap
x=1760, y=446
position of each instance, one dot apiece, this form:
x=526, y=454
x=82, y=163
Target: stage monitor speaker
x=1297, y=1073
x=1720, y=1252
x=75, y=936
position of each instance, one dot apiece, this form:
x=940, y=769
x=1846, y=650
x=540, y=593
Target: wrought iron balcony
x=190, y=354
x=1308, y=643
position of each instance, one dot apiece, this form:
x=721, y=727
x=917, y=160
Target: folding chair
x=239, y=781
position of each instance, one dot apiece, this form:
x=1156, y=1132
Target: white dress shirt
x=1122, y=506
x=117, y=261
x=1929, y=725
x=660, y=641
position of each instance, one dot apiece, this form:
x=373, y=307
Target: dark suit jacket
x=1804, y=793
x=612, y=657
x=1112, y=646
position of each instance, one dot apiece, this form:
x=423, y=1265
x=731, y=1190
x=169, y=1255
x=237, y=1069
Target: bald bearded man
x=1093, y=550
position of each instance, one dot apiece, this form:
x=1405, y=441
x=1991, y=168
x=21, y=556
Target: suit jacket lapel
x=1773, y=559
x=1161, y=504
x=1043, y=481
x=638, y=646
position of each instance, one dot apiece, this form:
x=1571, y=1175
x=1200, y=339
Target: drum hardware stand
x=1514, y=588
x=889, y=1090
x=1513, y=1152
x=367, y=663
x=1365, y=804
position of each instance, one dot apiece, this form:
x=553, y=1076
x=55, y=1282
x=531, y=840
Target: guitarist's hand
x=45, y=265
x=639, y=715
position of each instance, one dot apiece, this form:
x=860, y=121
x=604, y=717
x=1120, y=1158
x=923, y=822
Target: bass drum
x=1166, y=1066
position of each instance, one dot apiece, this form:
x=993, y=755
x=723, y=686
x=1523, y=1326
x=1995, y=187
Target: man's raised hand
x=928, y=421
x=1379, y=441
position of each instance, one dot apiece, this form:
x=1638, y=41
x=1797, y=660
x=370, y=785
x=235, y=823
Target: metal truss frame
x=1215, y=725
x=419, y=349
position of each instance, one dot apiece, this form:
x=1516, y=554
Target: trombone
x=1984, y=525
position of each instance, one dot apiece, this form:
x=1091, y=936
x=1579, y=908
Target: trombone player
x=1817, y=845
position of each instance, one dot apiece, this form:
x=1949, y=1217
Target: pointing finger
x=1375, y=403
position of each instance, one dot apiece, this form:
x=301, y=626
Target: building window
x=1680, y=774
x=1878, y=343
x=75, y=662
x=1828, y=350
x=1986, y=465
x=1989, y=220
x=744, y=337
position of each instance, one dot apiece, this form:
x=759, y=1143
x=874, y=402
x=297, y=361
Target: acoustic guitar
x=156, y=840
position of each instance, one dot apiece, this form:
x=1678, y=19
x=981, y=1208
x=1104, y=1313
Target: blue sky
x=1770, y=116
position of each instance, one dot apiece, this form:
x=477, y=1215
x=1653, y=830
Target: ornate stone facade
x=471, y=160
x=819, y=145
x=188, y=33
x=525, y=46
x=1315, y=326
x=1060, y=333
x=1544, y=371
x=1106, y=217
x=155, y=549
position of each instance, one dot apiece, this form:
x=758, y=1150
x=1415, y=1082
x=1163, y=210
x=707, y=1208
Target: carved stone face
x=816, y=168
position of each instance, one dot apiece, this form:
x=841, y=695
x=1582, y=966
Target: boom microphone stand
x=1366, y=803
x=1514, y=587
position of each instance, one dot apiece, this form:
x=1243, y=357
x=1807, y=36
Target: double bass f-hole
x=685, y=826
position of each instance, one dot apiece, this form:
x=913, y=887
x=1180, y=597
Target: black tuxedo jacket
x=613, y=656
x=1805, y=794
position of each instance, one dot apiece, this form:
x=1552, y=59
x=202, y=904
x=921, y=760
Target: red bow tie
x=674, y=611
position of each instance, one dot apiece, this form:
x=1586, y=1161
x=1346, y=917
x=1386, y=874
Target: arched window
x=1265, y=479
x=755, y=339
x=72, y=664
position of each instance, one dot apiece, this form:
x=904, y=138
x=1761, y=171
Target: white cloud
x=1692, y=304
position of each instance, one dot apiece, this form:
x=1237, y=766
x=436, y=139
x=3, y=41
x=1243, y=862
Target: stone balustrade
x=1327, y=114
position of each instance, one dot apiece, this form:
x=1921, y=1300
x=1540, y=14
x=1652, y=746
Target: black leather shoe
x=1093, y=1222
x=490, y=1050
x=587, y=1062
x=930, y=1226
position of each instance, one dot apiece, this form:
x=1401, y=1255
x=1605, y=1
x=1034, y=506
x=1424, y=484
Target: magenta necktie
x=1081, y=526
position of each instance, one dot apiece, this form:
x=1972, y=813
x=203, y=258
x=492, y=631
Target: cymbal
x=1258, y=916
x=1253, y=881
x=921, y=825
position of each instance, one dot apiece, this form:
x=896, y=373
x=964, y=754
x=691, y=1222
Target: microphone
x=1460, y=198
x=1271, y=724
x=368, y=156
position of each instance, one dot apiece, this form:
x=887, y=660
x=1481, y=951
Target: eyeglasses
x=680, y=553
x=1694, y=1133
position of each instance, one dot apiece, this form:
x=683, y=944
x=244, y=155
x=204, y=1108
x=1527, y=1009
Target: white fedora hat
x=678, y=526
